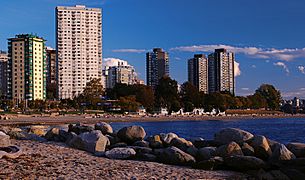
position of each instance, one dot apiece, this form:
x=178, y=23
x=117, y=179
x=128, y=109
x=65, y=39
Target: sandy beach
x=52, y=160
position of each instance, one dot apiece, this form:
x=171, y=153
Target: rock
x=281, y=153
x=58, y=135
x=293, y=174
x=167, y=138
x=120, y=153
x=272, y=143
x=117, y=145
x=232, y=134
x=146, y=157
x=247, y=149
x=155, y=141
x=210, y=164
x=271, y=175
x=244, y=163
x=94, y=142
x=4, y=139
x=198, y=142
x=141, y=143
x=181, y=143
x=206, y=153
x=175, y=156
x=141, y=150
x=261, y=147
x=11, y=152
x=298, y=149
x=79, y=129
x=229, y=150
x=192, y=151
x=131, y=134
x=113, y=139
x=38, y=130
x=105, y=128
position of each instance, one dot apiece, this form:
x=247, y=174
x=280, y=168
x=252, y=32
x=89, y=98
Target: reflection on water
x=279, y=129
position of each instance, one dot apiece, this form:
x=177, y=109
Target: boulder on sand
x=120, y=153
x=131, y=134
x=105, y=128
x=229, y=150
x=280, y=152
x=155, y=141
x=4, y=139
x=261, y=147
x=232, y=134
x=175, y=156
x=78, y=129
x=181, y=143
x=206, y=153
x=10, y=152
x=94, y=142
x=298, y=149
x=244, y=163
x=38, y=130
x=167, y=138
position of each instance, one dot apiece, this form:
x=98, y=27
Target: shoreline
x=22, y=120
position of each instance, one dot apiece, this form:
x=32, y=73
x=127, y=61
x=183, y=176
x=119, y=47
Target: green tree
x=92, y=93
x=190, y=96
x=129, y=104
x=271, y=95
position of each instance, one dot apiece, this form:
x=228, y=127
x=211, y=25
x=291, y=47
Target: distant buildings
x=3, y=73
x=198, y=72
x=157, y=66
x=26, y=68
x=79, y=48
x=51, y=72
x=121, y=73
x=215, y=74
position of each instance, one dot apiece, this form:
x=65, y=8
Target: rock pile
x=231, y=149
x=6, y=149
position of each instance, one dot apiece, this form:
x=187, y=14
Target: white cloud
x=245, y=89
x=129, y=50
x=237, y=71
x=255, y=52
x=302, y=69
x=283, y=65
x=253, y=66
x=114, y=62
x=292, y=94
x=302, y=89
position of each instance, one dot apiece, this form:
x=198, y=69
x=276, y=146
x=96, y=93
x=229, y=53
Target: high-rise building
x=79, y=48
x=221, y=71
x=26, y=68
x=3, y=73
x=157, y=66
x=51, y=72
x=122, y=73
x=198, y=72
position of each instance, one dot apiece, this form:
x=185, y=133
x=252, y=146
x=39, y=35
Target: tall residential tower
x=26, y=68
x=157, y=66
x=3, y=73
x=198, y=72
x=79, y=48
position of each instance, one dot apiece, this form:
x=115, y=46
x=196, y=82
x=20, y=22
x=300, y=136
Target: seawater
x=283, y=130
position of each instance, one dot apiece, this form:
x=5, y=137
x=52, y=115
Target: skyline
x=266, y=39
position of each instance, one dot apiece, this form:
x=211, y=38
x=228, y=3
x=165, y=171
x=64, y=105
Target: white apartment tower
x=198, y=72
x=79, y=48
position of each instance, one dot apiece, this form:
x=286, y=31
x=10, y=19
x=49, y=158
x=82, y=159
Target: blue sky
x=267, y=36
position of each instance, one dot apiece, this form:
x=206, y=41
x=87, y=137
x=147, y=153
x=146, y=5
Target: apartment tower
x=51, y=73
x=26, y=68
x=157, y=66
x=3, y=73
x=79, y=48
x=198, y=72
x=221, y=71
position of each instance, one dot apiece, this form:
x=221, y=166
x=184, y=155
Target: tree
x=129, y=104
x=190, y=96
x=167, y=94
x=271, y=95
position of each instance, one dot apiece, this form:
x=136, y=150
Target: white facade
x=79, y=48
x=198, y=72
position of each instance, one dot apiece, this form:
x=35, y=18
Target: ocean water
x=283, y=130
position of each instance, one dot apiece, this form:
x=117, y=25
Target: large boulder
x=206, y=153
x=120, y=153
x=10, y=152
x=232, y=134
x=192, y=151
x=167, y=138
x=247, y=149
x=79, y=129
x=38, y=130
x=155, y=141
x=59, y=135
x=229, y=150
x=131, y=134
x=261, y=147
x=210, y=164
x=105, y=128
x=244, y=163
x=4, y=139
x=141, y=143
x=280, y=152
x=298, y=149
x=94, y=142
x=181, y=143
x=175, y=156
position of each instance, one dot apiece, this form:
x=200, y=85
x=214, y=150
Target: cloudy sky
x=267, y=36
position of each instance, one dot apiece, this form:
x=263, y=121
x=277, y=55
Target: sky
x=266, y=36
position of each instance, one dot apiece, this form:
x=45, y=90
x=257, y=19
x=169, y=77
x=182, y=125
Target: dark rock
x=155, y=141
x=181, y=143
x=232, y=134
x=167, y=138
x=192, y=151
x=141, y=143
x=131, y=134
x=293, y=174
x=229, y=150
x=281, y=153
x=146, y=157
x=247, y=149
x=105, y=128
x=244, y=163
x=175, y=156
x=141, y=150
x=261, y=147
x=59, y=135
x=114, y=139
x=298, y=149
x=206, y=153
x=120, y=153
x=117, y=145
x=79, y=129
x=210, y=164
